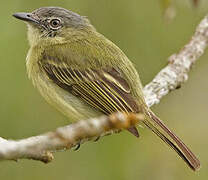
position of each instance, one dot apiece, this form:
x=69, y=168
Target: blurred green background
x=139, y=29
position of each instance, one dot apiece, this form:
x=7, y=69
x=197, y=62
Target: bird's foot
x=77, y=146
x=97, y=138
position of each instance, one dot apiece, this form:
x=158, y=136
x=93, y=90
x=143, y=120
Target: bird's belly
x=70, y=105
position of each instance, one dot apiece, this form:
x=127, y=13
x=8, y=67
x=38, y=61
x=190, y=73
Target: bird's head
x=54, y=25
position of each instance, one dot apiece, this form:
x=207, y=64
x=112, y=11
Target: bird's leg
x=97, y=138
x=77, y=146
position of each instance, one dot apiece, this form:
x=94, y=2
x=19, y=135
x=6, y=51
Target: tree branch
x=170, y=78
x=176, y=72
x=41, y=147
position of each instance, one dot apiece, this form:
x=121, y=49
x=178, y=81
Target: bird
x=83, y=74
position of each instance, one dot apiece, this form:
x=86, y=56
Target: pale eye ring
x=55, y=24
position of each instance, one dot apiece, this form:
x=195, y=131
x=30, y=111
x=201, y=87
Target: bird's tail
x=162, y=131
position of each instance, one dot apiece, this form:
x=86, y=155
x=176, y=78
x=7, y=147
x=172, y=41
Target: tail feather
x=162, y=131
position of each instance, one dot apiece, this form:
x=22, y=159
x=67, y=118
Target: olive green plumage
x=83, y=74
x=87, y=50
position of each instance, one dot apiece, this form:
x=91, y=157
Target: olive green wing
x=104, y=89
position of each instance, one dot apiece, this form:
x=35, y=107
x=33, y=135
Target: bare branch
x=170, y=78
x=41, y=147
x=176, y=72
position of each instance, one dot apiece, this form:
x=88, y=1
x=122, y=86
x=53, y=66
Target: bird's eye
x=55, y=24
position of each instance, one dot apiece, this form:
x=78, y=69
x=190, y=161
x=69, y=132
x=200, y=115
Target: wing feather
x=104, y=89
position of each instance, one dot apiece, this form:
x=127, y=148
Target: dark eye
x=55, y=23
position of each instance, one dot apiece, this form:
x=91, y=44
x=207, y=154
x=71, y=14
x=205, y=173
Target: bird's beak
x=26, y=17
